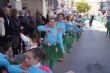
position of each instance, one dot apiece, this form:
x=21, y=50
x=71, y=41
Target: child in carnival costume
x=72, y=26
x=3, y=63
x=80, y=22
x=31, y=62
x=61, y=25
x=70, y=33
x=5, y=50
x=33, y=58
x=31, y=43
x=7, y=56
x=108, y=23
x=77, y=27
x=50, y=44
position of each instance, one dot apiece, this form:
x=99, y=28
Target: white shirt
x=37, y=65
x=2, y=27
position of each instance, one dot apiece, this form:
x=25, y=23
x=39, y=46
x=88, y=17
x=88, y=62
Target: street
x=90, y=54
x=75, y=28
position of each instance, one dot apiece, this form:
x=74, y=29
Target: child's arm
x=68, y=24
x=2, y=56
x=16, y=69
x=3, y=61
x=42, y=28
x=60, y=41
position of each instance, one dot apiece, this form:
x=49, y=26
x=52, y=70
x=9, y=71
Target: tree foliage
x=82, y=6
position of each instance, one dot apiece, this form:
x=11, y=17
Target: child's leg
x=51, y=64
x=107, y=33
x=78, y=35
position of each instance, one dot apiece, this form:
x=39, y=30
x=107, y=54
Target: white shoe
x=70, y=71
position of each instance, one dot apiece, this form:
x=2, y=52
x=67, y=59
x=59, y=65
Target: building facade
x=35, y=5
x=104, y=5
x=66, y=3
x=53, y=4
x=16, y=4
x=2, y=3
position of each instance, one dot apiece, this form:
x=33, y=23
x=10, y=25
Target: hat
x=28, y=42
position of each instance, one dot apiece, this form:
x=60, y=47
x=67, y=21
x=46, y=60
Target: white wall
x=33, y=5
x=44, y=9
x=16, y=4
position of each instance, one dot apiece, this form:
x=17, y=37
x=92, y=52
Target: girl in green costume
x=50, y=44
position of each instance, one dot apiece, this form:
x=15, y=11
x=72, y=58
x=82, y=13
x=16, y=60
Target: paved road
x=91, y=54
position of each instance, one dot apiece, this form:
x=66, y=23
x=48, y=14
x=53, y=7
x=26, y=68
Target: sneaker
x=70, y=71
x=68, y=51
x=60, y=59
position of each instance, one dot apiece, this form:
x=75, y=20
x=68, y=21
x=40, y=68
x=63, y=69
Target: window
x=103, y=6
x=18, y=0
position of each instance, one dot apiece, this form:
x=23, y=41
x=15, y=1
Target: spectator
x=40, y=20
x=32, y=24
x=91, y=20
x=27, y=19
x=2, y=32
x=2, y=28
x=23, y=26
x=15, y=31
x=7, y=23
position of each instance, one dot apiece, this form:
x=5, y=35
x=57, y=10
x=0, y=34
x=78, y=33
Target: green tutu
x=68, y=40
x=65, y=41
x=108, y=26
x=53, y=52
x=14, y=63
x=60, y=53
x=1, y=49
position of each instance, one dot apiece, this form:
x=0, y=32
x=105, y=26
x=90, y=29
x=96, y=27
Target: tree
x=82, y=6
